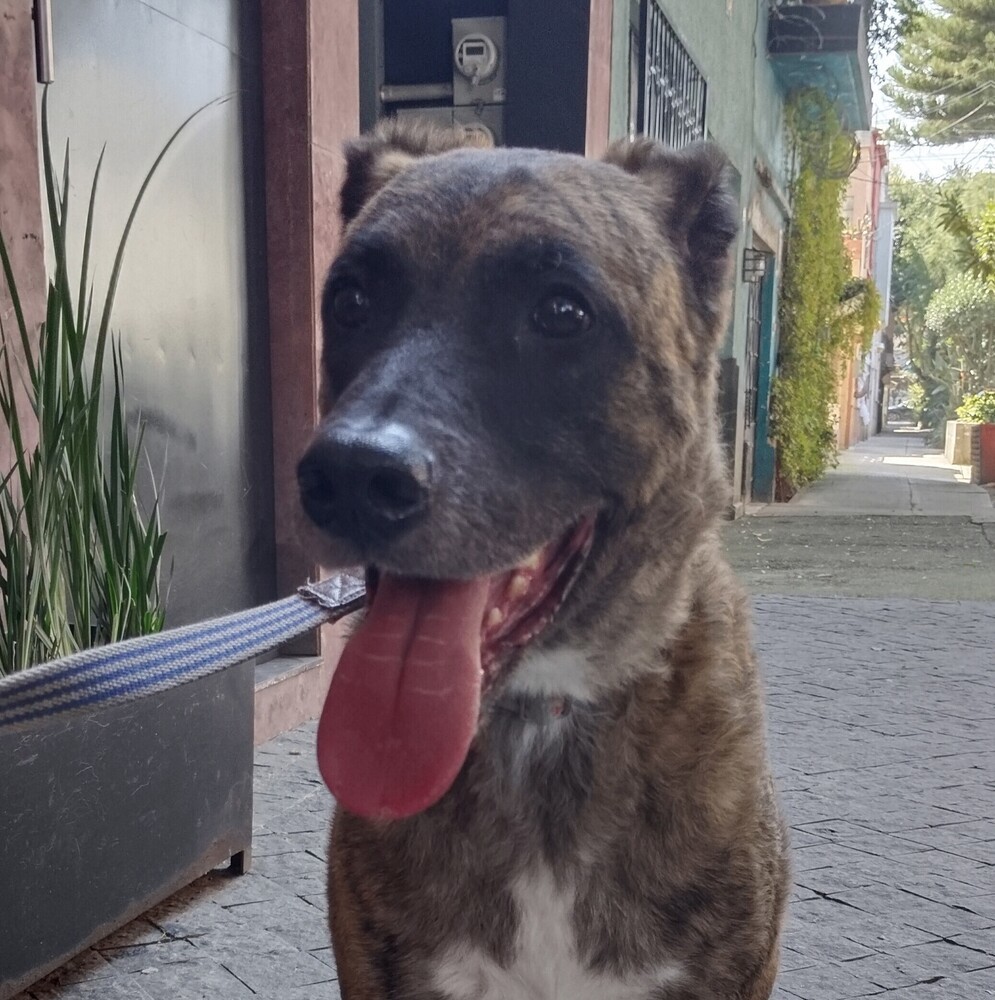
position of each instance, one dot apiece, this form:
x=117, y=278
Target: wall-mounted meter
x=477, y=90
x=481, y=121
x=476, y=57
x=478, y=60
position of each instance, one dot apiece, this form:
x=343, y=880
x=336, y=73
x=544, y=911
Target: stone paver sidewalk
x=893, y=518
x=882, y=727
x=894, y=473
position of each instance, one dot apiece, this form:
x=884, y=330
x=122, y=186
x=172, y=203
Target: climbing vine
x=860, y=311
x=823, y=312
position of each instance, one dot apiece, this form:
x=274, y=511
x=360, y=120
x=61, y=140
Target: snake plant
x=80, y=555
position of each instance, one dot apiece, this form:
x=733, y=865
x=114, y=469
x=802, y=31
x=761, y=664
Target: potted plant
x=978, y=409
x=102, y=816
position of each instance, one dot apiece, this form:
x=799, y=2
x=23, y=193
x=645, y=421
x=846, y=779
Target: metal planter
x=104, y=815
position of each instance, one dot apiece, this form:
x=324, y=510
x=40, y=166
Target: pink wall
x=863, y=202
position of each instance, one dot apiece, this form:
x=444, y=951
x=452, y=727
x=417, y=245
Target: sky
x=936, y=161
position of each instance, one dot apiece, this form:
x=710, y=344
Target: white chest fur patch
x=564, y=672
x=545, y=965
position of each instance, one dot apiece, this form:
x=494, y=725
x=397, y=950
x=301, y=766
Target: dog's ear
x=697, y=208
x=374, y=159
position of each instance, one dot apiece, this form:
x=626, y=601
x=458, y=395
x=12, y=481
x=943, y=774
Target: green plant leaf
x=80, y=563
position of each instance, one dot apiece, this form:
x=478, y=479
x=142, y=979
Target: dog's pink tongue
x=403, y=705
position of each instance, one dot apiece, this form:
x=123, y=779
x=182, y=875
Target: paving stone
x=946, y=921
x=826, y=982
x=321, y=991
x=829, y=856
x=948, y=837
x=324, y=955
x=307, y=885
x=189, y=914
x=861, y=838
x=291, y=865
x=264, y=961
x=97, y=989
x=253, y=887
x=983, y=940
x=313, y=841
x=291, y=918
x=965, y=870
x=942, y=989
x=89, y=967
x=197, y=978
x=979, y=829
x=298, y=818
x=802, y=837
x=136, y=958
x=819, y=944
x=138, y=932
x=983, y=981
x=827, y=881
x=945, y=957
x=890, y=972
x=265, y=843
x=886, y=934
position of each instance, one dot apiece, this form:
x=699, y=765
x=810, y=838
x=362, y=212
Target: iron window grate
x=674, y=91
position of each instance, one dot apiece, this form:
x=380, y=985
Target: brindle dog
x=547, y=737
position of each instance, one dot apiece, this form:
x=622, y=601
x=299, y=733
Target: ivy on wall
x=823, y=311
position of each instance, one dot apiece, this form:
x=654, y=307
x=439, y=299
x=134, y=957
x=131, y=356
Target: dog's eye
x=350, y=305
x=561, y=315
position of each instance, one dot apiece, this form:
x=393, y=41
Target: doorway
x=758, y=273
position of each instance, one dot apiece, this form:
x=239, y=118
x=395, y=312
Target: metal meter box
x=474, y=96
x=486, y=118
x=479, y=62
x=479, y=73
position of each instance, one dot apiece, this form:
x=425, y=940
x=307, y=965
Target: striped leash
x=125, y=671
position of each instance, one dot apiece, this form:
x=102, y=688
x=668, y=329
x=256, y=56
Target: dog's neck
x=533, y=708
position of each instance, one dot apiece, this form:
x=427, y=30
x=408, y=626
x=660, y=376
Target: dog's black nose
x=366, y=480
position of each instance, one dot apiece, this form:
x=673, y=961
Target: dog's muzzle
x=363, y=482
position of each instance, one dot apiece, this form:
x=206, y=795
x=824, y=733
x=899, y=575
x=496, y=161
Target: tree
x=976, y=246
x=961, y=321
x=932, y=297
x=887, y=22
x=945, y=78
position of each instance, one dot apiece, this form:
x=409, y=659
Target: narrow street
x=893, y=473
x=876, y=637
x=891, y=520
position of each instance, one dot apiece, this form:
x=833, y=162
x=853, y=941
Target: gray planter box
x=104, y=815
x=957, y=442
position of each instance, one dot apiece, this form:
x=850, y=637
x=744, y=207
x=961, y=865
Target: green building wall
x=744, y=115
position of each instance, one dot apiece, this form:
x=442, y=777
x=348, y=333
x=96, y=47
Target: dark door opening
x=756, y=270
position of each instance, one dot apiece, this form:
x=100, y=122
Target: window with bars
x=672, y=102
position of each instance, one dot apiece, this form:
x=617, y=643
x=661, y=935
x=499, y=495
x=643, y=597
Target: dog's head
x=519, y=385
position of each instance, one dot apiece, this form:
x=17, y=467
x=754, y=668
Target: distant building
x=869, y=218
